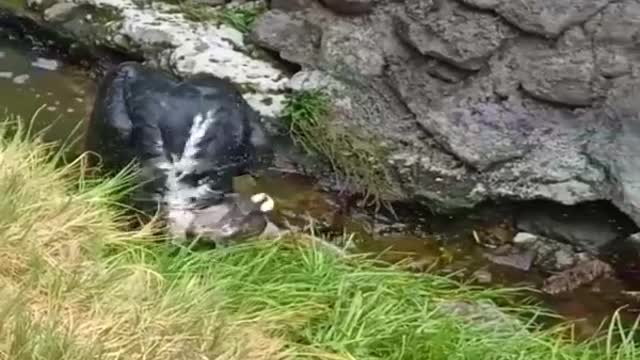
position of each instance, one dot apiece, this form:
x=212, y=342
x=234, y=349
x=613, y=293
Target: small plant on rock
x=239, y=18
x=358, y=161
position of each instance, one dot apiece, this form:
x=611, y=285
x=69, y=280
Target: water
x=37, y=81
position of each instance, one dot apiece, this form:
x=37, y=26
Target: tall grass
x=75, y=285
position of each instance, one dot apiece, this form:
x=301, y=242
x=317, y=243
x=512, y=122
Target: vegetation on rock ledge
x=357, y=161
x=75, y=286
x=239, y=18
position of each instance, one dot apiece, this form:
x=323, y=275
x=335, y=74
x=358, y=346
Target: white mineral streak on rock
x=197, y=48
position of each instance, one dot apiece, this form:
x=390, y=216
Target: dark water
x=62, y=96
x=42, y=88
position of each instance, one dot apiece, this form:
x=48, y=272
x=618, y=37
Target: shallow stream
x=33, y=80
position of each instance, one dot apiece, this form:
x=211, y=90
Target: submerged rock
x=577, y=276
x=544, y=254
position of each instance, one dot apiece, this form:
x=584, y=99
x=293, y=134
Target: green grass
x=357, y=161
x=75, y=286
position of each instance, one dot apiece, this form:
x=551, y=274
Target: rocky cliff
x=470, y=99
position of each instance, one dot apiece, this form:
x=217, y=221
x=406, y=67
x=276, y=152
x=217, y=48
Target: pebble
x=6, y=74
x=2, y=54
x=21, y=79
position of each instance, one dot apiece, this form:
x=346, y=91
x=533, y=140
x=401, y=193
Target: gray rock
x=452, y=33
x=588, y=226
x=295, y=39
x=59, y=11
x=543, y=17
x=614, y=142
x=513, y=257
x=349, y=7
x=348, y=48
x=543, y=253
x=613, y=32
x=567, y=77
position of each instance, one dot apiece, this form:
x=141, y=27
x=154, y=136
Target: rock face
x=471, y=100
x=531, y=100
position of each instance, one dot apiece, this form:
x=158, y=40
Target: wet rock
x=543, y=17
x=590, y=226
x=453, y=34
x=529, y=251
x=567, y=77
x=577, y=276
x=349, y=7
x=521, y=259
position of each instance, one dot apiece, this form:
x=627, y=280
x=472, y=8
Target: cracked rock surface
x=471, y=99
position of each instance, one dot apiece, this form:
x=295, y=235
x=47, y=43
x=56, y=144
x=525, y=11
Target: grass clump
x=75, y=286
x=357, y=161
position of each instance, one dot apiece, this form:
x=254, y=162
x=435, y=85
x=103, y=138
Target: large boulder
x=470, y=108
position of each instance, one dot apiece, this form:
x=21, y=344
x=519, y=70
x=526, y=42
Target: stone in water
x=46, y=64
